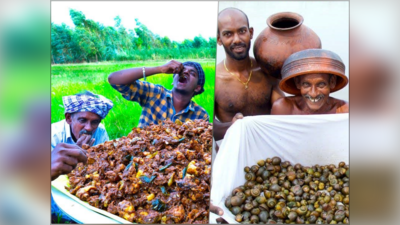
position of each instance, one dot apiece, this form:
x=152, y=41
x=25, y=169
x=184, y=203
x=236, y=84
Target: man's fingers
x=68, y=146
x=64, y=169
x=84, y=139
x=221, y=220
x=77, y=154
x=69, y=160
x=79, y=142
x=177, y=69
x=239, y=115
x=87, y=139
x=92, y=141
x=84, y=151
x=217, y=210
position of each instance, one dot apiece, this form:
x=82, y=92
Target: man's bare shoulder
x=341, y=106
x=283, y=106
x=220, y=71
x=259, y=73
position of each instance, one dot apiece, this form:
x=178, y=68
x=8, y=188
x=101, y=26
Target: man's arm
x=128, y=76
x=220, y=128
x=277, y=93
x=344, y=108
x=281, y=107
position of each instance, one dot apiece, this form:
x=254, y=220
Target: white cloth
x=61, y=133
x=305, y=139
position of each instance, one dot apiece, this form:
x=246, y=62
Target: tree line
x=91, y=41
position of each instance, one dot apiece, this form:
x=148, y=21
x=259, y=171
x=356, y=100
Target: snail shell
x=239, y=218
x=263, y=216
x=254, y=168
x=255, y=192
x=254, y=219
x=250, y=176
x=261, y=162
x=276, y=160
x=271, y=202
x=228, y=202
x=236, y=201
x=236, y=210
x=248, y=206
x=292, y=216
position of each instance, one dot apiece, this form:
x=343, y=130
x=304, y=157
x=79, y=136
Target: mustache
x=85, y=132
x=238, y=45
x=320, y=96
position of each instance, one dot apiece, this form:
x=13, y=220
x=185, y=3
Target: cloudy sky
x=177, y=20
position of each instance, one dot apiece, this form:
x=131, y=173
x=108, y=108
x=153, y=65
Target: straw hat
x=312, y=61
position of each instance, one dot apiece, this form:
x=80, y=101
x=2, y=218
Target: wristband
x=144, y=74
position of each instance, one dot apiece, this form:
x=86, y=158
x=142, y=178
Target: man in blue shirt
x=83, y=114
x=157, y=102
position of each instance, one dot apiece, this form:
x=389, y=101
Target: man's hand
x=217, y=210
x=238, y=116
x=64, y=158
x=172, y=66
x=85, y=139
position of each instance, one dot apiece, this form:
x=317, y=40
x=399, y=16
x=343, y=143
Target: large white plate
x=79, y=210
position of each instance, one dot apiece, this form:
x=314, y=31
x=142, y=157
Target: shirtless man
x=241, y=88
x=312, y=84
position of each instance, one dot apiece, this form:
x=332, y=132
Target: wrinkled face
x=315, y=89
x=186, y=81
x=234, y=34
x=82, y=122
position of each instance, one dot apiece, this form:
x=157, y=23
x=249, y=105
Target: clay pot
x=284, y=36
x=311, y=61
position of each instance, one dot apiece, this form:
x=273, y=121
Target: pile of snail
x=279, y=192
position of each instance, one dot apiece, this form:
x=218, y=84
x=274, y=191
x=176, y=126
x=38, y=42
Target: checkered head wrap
x=87, y=102
x=200, y=72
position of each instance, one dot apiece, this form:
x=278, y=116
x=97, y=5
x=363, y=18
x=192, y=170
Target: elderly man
x=157, y=102
x=311, y=75
x=241, y=88
x=83, y=114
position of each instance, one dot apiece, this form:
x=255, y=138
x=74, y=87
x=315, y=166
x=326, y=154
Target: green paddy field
x=70, y=79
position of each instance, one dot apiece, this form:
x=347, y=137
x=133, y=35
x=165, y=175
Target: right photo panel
x=281, y=125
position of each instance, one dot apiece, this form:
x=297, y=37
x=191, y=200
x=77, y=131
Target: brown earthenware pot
x=284, y=35
x=311, y=61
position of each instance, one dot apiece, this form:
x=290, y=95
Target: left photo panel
x=132, y=107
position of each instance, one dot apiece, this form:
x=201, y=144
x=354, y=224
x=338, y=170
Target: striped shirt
x=156, y=103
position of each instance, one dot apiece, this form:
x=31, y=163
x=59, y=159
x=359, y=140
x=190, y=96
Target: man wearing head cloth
x=83, y=114
x=157, y=102
x=311, y=75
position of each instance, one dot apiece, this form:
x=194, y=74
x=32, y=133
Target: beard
x=183, y=92
x=85, y=132
x=238, y=56
x=318, y=97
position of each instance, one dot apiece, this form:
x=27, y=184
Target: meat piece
x=176, y=213
x=83, y=193
x=112, y=208
x=112, y=176
x=126, y=210
x=148, y=216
